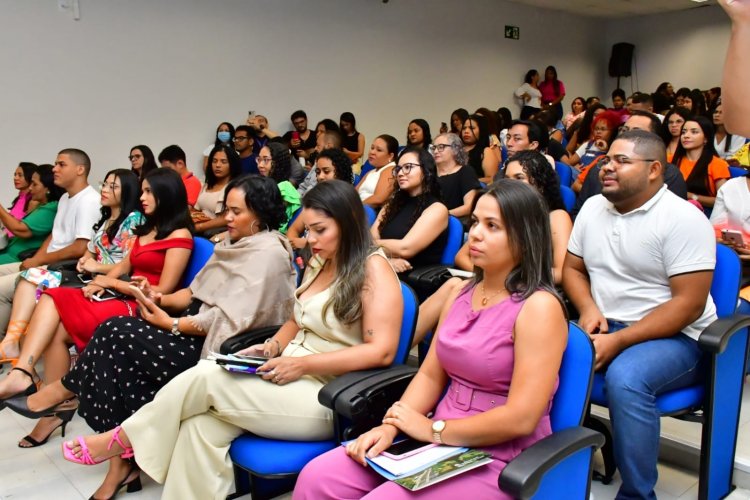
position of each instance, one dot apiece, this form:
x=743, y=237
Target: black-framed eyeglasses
x=134, y=157
x=437, y=148
x=621, y=160
x=240, y=138
x=405, y=168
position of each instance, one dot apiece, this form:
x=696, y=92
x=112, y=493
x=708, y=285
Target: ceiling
x=616, y=8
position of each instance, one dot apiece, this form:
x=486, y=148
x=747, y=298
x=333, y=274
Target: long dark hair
x=426, y=135
x=340, y=201
x=231, y=134
x=28, y=170
x=526, y=219
x=47, y=178
x=543, y=178
x=697, y=181
x=555, y=81
x=463, y=115
x=341, y=164
x=171, y=211
x=262, y=197
x=430, y=188
x=530, y=75
x=677, y=110
x=584, y=130
x=130, y=193
x=476, y=154
x=281, y=162
x=149, y=162
x=235, y=165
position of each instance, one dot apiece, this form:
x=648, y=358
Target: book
x=430, y=466
x=237, y=363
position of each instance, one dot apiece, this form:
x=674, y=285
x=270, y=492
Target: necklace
x=486, y=299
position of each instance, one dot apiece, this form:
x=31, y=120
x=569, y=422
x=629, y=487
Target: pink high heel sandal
x=87, y=459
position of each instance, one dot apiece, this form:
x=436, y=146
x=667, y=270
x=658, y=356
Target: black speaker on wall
x=621, y=61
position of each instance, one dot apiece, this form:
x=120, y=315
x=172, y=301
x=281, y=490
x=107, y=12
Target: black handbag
x=426, y=280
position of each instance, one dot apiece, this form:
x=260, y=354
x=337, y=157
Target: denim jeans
x=632, y=381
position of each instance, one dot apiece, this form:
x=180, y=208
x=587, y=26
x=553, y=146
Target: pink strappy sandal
x=87, y=459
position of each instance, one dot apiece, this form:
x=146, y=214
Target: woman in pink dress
x=498, y=348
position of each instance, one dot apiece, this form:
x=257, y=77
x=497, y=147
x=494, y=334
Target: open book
x=430, y=466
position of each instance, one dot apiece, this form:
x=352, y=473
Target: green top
x=291, y=201
x=40, y=223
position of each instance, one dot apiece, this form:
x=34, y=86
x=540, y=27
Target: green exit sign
x=513, y=32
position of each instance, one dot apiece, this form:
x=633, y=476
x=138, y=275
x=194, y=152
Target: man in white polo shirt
x=639, y=268
x=77, y=212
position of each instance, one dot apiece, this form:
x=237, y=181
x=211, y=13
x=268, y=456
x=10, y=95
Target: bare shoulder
x=377, y=267
x=542, y=306
x=180, y=233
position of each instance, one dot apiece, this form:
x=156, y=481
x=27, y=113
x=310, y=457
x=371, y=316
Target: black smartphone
x=406, y=448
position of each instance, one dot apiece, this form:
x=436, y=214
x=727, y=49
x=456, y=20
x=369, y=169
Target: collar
x=643, y=208
x=188, y=175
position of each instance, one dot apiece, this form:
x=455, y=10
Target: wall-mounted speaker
x=621, y=61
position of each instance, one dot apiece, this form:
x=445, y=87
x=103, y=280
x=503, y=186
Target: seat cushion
x=671, y=402
x=264, y=456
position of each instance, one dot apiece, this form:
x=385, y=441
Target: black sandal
x=31, y=389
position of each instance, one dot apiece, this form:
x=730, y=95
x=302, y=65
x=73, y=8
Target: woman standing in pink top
x=553, y=92
x=498, y=348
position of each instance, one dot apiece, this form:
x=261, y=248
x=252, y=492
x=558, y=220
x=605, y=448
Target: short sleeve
x=575, y=243
x=562, y=87
x=690, y=245
x=87, y=214
x=718, y=170
x=40, y=221
x=125, y=237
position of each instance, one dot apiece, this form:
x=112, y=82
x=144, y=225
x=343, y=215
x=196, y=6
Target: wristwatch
x=438, y=426
x=694, y=197
x=176, y=326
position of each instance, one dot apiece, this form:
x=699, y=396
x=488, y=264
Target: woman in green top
x=30, y=232
x=275, y=161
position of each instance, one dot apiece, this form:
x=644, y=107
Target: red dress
x=80, y=316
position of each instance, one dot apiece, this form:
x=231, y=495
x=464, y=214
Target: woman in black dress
x=129, y=359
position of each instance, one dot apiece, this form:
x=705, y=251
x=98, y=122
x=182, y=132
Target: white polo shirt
x=630, y=257
x=75, y=218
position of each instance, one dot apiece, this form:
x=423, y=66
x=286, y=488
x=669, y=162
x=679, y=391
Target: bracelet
x=278, y=346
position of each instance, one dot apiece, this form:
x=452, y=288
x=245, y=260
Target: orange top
x=193, y=188
x=718, y=169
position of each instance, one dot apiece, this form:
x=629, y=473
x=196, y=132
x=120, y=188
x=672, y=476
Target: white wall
x=686, y=48
x=168, y=71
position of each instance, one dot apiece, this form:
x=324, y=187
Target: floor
x=42, y=473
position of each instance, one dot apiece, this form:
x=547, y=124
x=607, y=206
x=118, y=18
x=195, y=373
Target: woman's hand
x=253, y=350
x=283, y=370
x=298, y=243
x=92, y=289
x=154, y=314
x=87, y=264
x=372, y=443
x=410, y=422
x=600, y=144
x=143, y=283
x=105, y=281
x=400, y=265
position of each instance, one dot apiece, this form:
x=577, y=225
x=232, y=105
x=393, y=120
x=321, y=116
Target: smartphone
x=295, y=136
x=251, y=114
x=85, y=278
x=107, y=294
x=406, y=448
x=733, y=237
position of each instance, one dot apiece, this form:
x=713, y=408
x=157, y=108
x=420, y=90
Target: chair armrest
x=716, y=336
x=27, y=254
x=62, y=265
x=521, y=477
x=248, y=338
x=362, y=398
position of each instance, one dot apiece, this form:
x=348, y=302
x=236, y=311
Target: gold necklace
x=486, y=299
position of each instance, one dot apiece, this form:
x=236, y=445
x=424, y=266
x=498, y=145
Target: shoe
x=131, y=486
x=16, y=329
x=87, y=459
x=20, y=405
x=65, y=416
x=31, y=389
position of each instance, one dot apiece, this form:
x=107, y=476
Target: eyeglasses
x=134, y=157
x=108, y=185
x=437, y=148
x=621, y=160
x=405, y=168
x=240, y=138
x=264, y=159
x=601, y=129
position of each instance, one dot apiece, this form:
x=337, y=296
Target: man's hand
x=29, y=263
x=593, y=321
x=607, y=347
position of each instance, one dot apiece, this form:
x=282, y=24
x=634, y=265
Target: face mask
x=223, y=136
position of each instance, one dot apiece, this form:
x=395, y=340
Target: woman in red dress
x=67, y=316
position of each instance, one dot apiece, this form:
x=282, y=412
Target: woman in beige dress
x=346, y=317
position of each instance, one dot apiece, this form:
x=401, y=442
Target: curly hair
x=341, y=163
x=281, y=162
x=262, y=197
x=430, y=188
x=541, y=176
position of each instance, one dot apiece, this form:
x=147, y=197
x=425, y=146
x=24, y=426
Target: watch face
x=438, y=426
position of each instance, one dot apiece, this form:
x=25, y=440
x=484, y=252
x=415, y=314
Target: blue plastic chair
x=564, y=173
x=738, y=172
x=203, y=249
x=366, y=167
x=294, y=217
x=454, y=241
x=371, y=214
x=277, y=459
x=720, y=397
x=568, y=198
x=562, y=461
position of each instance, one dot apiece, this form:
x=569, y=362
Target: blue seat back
x=202, y=251
x=737, y=172
x=564, y=173
x=408, y=324
x=568, y=198
x=371, y=215
x=570, y=404
x=294, y=217
x=454, y=242
x=725, y=286
x=366, y=167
